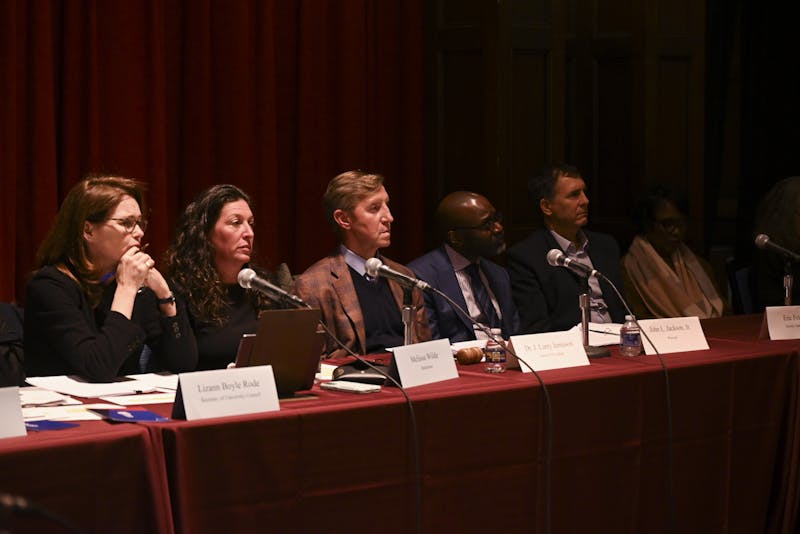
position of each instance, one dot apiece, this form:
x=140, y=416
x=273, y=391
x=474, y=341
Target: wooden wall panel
x=529, y=132
x=462, y=128
x=612, y=86
x=609, y=179
x=671, y=159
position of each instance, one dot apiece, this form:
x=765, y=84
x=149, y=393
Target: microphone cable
x=414, y=437
x=14, y=504
x=668, y=400
x=548, y=464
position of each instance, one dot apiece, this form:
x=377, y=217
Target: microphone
x=764, y=242
x=556, y=258
x=248, y=279
x=375, y=267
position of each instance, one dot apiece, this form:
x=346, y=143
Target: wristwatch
x=167, y=300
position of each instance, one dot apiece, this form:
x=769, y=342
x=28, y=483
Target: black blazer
x=547, y=296
x=436, y=269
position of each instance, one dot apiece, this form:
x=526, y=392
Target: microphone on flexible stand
x=375, y=267
x=248, y=279
x=408, y=316
x=557, y=258
x=765, y=243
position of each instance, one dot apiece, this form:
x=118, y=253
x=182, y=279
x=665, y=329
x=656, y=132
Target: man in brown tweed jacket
x=365, y=314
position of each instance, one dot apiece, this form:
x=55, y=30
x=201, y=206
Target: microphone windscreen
x=554, y=256
x=372, y=265
x=762, y=240
x=245, y=277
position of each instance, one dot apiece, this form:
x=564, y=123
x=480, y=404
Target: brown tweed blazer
x=327, y=285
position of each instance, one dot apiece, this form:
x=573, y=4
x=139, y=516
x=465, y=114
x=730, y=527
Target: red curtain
x=275, y=96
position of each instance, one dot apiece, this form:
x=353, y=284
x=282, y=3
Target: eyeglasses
x=485, y=226
x=670, y=225
x=129, y=223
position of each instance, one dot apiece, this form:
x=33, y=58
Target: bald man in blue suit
x=472, y=230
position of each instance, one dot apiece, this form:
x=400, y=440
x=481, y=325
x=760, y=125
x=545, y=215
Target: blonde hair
x=346, y=190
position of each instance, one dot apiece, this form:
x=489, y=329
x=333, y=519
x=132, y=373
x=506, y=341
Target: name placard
x=549, y=350
x=783, y=322
x=223, y=392
x=11, y=422
x=425, y=363
x=675, y=334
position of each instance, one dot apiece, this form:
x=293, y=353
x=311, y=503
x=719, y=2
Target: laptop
x=287, y=340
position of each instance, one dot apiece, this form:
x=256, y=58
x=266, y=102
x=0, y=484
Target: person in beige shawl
x=662, y=276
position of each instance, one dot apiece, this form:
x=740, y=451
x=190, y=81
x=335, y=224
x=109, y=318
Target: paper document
x=64, y=413
x=33, y=396
x=145, y=398
x=78, y=387
x=601, y=334
x=157, y=380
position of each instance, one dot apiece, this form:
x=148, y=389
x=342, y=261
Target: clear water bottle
x=494, y=355
x=630, y=339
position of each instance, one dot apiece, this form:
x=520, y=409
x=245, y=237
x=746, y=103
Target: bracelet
x=166, y=300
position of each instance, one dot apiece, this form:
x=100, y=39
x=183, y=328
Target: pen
x=601, y=331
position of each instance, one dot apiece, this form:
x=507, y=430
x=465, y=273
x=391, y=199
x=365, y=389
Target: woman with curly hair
x=213, y=242
x=97, y=306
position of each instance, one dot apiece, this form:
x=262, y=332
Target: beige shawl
x=685, y=291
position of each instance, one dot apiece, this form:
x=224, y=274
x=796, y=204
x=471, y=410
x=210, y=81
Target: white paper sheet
x=34, y=396
x=145, y=398
x=601, y=334
x=77, y=387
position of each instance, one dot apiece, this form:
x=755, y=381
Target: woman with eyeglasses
x=97, y=306
x=662, y=276
x=214, y=240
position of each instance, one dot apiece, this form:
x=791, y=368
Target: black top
x=383, y=322
x=65, y=335
x=217, y=344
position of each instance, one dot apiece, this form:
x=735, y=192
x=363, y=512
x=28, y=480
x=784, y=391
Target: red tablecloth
x=339, y=462
x=99, y=476
x=343, y=462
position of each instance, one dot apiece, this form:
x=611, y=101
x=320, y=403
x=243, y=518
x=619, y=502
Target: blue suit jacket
x=548, y=296
x=445, y=322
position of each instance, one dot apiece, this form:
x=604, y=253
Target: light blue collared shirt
x=580, y=254
x=356, y=262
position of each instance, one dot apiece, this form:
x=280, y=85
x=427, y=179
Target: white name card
x=11, y=422
x=676, y=334
x=783, y=322
x=550, y=350
x=425, y=363
x=223, y=392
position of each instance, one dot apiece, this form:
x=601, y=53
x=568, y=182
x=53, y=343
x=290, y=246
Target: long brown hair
x=91, y=199
x=190, y=258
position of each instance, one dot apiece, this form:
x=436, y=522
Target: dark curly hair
x=190, y=258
